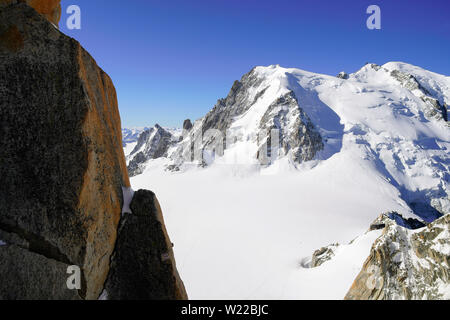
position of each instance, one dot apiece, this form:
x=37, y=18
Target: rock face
x=63, y=174
x=61, y=156
x=187, y=124
x=343, y=75
x=406, y=264
x=297, y=134
x=152, y=144
x=435, y=108
x=143, y=265
x=239, y=100
x=21, y=266
x=51, y=9
x=323, y=255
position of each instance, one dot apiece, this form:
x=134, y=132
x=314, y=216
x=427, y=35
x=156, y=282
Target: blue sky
x=172, y=60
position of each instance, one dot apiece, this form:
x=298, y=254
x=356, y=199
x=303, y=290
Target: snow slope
x=241, y=230
x=130, y=137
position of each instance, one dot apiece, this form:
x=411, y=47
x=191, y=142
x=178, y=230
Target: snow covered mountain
x=152, y=143
x=394, y=115
x=345, y=150
x=136, y=140
x=130, y=137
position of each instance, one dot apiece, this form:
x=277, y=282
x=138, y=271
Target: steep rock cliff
x=257, y=104
x=152, y=144
x=406, y=264
x=63, y=174
x=61, y=161
x=143, y=265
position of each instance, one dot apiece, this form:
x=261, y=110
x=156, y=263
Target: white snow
x=127, y=197
x=442, y=241
x=129, y=148
x=435, y=83
x=241, y=231
x=242, y=235
x=175, y=132
x=103, y=295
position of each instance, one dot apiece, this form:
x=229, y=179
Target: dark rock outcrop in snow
x=236, y=103
x=143, y=265
x=187, y=125
x=435, y=108
x=152, y=144
x=136, y=166
x=409, y=223
x=343, y=75
x=296, y=131
x=323, y=255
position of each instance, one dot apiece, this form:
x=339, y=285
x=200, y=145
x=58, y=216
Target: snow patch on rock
x=128, y=194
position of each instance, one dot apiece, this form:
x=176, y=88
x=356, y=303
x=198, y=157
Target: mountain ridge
x=382, y=146
x=327, y=117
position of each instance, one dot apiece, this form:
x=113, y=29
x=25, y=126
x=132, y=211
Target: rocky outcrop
x=50, y=9
x=152, y=144
x=143, y=265
x=187, y=125
x=323, y=255
x=238, y=101
x=61, y=160
x=343, y=75
x=409, y=223
x=297, y=134
x=434, y=108
x=406, y=264
x=136, y=166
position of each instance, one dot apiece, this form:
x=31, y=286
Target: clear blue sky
x=172, y=60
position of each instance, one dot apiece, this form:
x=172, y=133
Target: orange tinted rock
x=61, y=158
x=103, y=127
x=51, y=9
x=63, y=169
